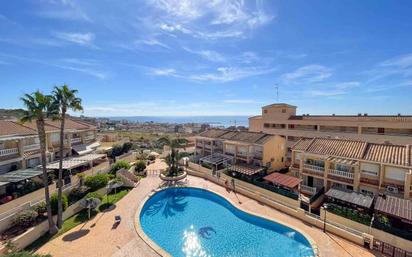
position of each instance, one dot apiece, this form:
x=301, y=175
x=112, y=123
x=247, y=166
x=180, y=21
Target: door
x=310, y=181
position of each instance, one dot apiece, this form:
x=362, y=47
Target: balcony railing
x=308, y=189
x=314, y=168
x=76, y=140
x=89, y=138
x=11, y=151
x=341, y=173
x=31, y=147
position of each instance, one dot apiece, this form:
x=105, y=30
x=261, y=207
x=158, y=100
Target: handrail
x=314, y=168
x=9, y=151
x=341, y=173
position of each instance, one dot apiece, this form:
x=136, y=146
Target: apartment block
x=281, y=119
x=242, y=147
x=360, y=166
x=20, y=146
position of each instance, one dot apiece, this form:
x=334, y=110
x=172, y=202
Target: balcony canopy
x=18, y=175
x=75, y=162
x=395, y=207
x=343, y=161
x=248, y=170
x=352, y=197
x=215, y=159
x=282, y=180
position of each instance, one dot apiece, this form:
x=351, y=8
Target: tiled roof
x=283, y=180
x=393, y=154
x=243, y=136
x=47, y=127
x=54, y=125
x=360, y=150
x=10, y=128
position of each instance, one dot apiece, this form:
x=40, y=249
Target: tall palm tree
x=66, y=99
x=173, y=158
x=39, y=107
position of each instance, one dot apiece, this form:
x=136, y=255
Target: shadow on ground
x=76, y=235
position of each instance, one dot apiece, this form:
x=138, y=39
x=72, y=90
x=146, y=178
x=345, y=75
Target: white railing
x=31, y=147
x=308, y=189
x=76, y=140
x=341, y=173
x=314, y=168
x=89, y=138
x=10, y=151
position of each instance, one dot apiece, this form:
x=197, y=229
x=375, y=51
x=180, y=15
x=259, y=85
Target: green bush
x=94, y=195
x=25, y=254
x=40, y=208
x=121, y=164
x=25, y=218
x=96, y=182
x=117, y=150
x=126, y=147
x=78, y=193
x=53, y=203
x=151, y=158
x=140, y=166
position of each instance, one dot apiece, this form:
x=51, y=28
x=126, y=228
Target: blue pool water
x=195, y=222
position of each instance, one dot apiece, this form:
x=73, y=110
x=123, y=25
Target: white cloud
x=77, y=38
x=209, y=55
x=308, y=74
x=239, y=101
x=403, y=61
x=151, y=42
x=163, y=72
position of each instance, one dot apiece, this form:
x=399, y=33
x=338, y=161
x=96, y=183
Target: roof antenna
x=277, y=93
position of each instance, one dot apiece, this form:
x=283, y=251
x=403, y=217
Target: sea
x=214, y=121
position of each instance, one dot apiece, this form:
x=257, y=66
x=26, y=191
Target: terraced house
x=242, y=148
x=281, y=119
x=360, y=166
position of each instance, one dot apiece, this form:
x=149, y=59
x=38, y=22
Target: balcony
x=89, y=138
x=7, y=152
x=76, y=140
x=341, y=175
x=308, y=189
x=369, y=181
x=295, y=166
x=31, y=147
x=313, y=169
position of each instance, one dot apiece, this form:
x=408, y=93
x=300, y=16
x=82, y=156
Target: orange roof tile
x=10, y=128
x=393, y=154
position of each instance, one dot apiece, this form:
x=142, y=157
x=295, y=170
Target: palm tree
x=66, y=99
x=39, y=107
x=174, y=156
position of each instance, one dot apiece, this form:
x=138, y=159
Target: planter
x=176, y=178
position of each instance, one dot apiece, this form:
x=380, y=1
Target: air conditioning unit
x=392, y=189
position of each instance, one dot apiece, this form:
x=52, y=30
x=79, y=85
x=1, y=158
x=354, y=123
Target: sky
x=220, y=57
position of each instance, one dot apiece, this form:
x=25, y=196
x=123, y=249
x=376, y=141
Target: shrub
x=53, y=202
x=96, y=182
x=94, y=195
x=40, y=208
x=120, y=165
x=25, y=254
x=140, y=166
x=77, y=193
x=126, y=147
x=25, y=218
x=151, y=158
x=81, y=177
x=117, y=150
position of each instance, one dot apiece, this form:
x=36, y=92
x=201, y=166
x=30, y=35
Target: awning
x=394, y=206
x=81, y=149
x=245, y=169
x=67, y=164
x=93, y=145
x=88, y=157
x=215, y=159
x=349, y=196
x=282, y=180
x=19, y=175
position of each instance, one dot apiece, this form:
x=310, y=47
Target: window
x=265, y=111
x=283, y=110
x=381, y=130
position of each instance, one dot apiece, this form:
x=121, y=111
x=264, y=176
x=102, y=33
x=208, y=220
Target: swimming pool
x=196, y=222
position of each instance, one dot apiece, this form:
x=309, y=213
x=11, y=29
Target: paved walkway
x=98, y=238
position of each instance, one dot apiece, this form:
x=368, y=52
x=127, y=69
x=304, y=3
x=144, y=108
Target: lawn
x=80, y=217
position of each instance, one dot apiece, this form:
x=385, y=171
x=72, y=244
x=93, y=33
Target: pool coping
x=164, y=253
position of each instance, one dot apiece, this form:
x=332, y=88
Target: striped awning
x=343, y=161
x=394, y=206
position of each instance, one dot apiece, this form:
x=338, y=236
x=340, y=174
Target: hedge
x=54, y=200
x=96, y=182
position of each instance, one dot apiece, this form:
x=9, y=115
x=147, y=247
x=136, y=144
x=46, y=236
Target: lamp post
x=325, y=207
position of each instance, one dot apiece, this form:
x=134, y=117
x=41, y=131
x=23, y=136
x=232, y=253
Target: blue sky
x=170, y=57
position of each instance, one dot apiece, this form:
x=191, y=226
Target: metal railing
x=11, y=151
x=31, y=147
x=341, y=173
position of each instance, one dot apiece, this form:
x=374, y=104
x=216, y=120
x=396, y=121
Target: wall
x=275, y=149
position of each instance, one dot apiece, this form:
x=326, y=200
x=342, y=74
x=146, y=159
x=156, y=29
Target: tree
x=66, y=99
x=120, y=164
x=140, y=166
x=39, y=107
x=173, y=157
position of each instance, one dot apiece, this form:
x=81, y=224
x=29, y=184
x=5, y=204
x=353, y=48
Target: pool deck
x=98, y=237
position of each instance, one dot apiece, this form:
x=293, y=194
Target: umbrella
x=89, y=203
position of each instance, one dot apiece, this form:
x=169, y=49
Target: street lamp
x=325, y=207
